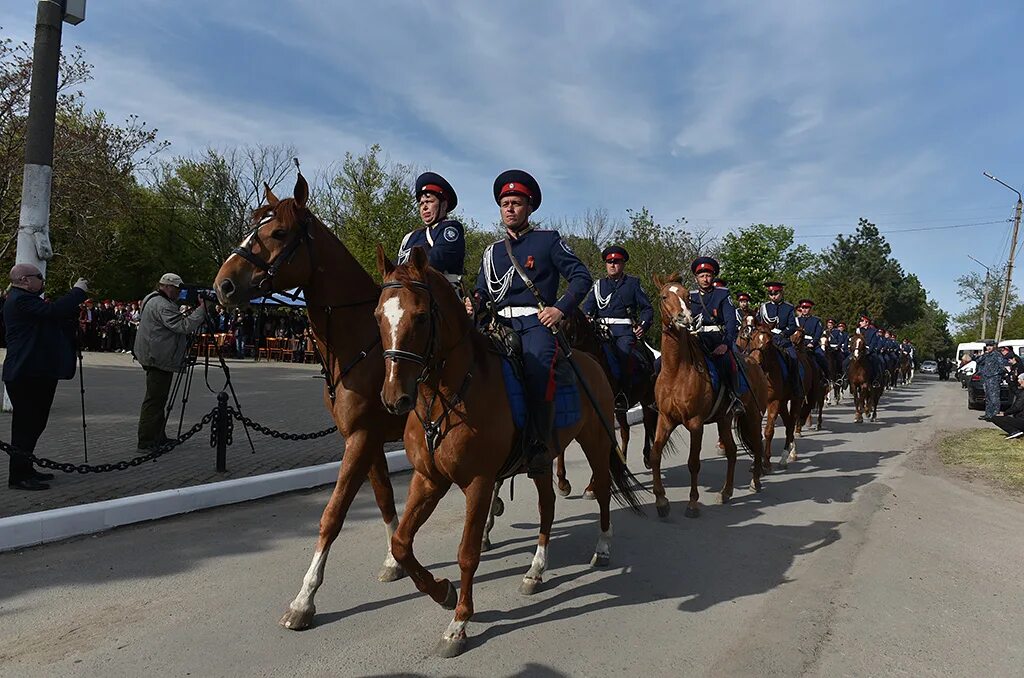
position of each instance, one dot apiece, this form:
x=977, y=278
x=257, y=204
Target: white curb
x=31, y=529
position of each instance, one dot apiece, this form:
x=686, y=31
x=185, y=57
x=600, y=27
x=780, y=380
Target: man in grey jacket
x=160, y=348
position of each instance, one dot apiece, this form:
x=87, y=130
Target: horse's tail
x=627, y=488
x=744, y=440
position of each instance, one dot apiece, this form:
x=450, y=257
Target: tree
x=971, y=289
x=760, y=253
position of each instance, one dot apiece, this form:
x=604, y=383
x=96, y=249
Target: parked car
x=976, y=394
x=929, y=367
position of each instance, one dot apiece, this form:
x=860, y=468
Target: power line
x=907, y=230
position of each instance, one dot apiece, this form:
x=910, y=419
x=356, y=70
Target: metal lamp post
x=1009, y=263
x=984, y=300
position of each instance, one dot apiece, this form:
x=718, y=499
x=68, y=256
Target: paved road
x=862, y=559
x=114, y=389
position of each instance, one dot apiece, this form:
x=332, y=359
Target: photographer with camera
x=160, y=345
x=40, y=351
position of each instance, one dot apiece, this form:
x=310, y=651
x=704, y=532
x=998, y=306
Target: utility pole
x=984, y=299
x=34, y=222
x=1013, y=253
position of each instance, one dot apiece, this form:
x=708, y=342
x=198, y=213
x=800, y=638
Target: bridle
x=273, y=265
x=425, y=360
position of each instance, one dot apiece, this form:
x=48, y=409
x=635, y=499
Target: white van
x=969, y=347
x=1015, y=344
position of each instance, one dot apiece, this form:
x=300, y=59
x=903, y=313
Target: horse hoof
x=450, y=648
x=600, y=560
x=563, y=488
x=588, y=494
x=662, y=505
x=647, y=462
x=498, y=507
x=792, y=457
x=391, y=573
x=485, y=545
x=529, y=586
x=783, y=464
x=692, y=512
x=755, y=486
x=297, y=620
x=452, y=599
x=724, y=498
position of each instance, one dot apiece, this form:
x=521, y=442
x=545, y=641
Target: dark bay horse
x=835, y=377
x=813, y=383
x=289, y=247
x=583, y=336
x=755, y=340
x=443, y=374
x=865, y=393
x=686, y=397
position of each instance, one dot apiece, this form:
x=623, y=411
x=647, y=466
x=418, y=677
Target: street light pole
x=1009, y=263
x=984, y=300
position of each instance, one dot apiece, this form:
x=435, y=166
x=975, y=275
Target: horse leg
x=650, y=426
x=534, y=577
x=789, y=419
x=595, y=446
x=354, y=467
x=496, y=509
x=424, y=495
x=564, y=487
x=769, y=433
x=478, y=498
x=384, y=493
x=693, y=463
x=725, y=435
x=750, y=429
x=661, y=436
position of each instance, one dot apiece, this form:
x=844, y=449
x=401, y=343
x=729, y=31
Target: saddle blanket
x=744, y=385
x=567, y=398
x=784, y=366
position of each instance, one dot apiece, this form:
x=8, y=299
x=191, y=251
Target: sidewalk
x=282, y=396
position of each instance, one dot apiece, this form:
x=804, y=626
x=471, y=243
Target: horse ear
x=656, y=279
x=301, y=192
x=418, y=258
x=269, y=195
x=384, y=265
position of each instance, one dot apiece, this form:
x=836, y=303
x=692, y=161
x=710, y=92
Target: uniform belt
x=711, y=328
x=615, y=321
x=517, y=311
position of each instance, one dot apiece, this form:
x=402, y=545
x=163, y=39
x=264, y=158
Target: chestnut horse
x=865, y=394
x=685, y=395
x=813, y=383
x=289, y=247
x=755, y=341
x=445, y=376
x=583, y=335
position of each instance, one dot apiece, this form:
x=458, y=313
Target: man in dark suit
x=40, y=350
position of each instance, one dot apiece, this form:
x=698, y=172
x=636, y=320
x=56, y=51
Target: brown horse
x=289, y=247
x=755, y=340
x=865, y=393
x=835, y=378
x=685, y=395
x=583, y=336
x=906, y=369
x=814, y=385
x=444, y=375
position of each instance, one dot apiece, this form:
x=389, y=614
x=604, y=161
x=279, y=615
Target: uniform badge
x=450, y=234
x=530, y=262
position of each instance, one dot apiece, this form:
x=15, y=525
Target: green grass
x=988, y=453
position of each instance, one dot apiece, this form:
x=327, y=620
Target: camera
x=192, y=294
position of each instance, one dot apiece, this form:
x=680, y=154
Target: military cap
x=774, y=286
x=990, y=342
x=431, y=182
x=705, y=265
x=742, y=296
x=805, y=303
x=614, y=252
x=517, y=182
x=842, y=323
x=718, y=282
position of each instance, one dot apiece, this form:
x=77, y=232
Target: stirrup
x=621, y=402
x=736, y=406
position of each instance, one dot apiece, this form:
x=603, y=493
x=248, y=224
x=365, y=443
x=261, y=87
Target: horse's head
x=265, y=261
x=858, y=345
x=409, y=323
x=754, y=335
x=675, y=302
x=823, y=342
x=798, y=337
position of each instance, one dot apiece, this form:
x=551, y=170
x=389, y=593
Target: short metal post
x=222, y=432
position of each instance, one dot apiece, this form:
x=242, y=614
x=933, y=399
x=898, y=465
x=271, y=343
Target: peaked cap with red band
x=614, y=253
x=774, y=286
x=806, y=302
x=742, y=296
x=705, y=265
x=517, y=182
x=431, y=182
x=718, y=282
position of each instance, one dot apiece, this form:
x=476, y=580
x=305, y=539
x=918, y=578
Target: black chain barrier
x=219, y=418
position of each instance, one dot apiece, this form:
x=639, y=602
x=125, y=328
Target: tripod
x=184, y=375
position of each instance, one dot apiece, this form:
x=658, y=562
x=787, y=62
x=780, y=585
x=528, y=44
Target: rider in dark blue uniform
x=443, y=238
x=715, y=320
x=619, y=303
x=843, y=338
x=782, y=314
x=545, y=259
x=813, y=330
x=873, y=342
x=742, y=307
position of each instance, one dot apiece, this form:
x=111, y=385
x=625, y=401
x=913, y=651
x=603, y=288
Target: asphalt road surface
x=862, y=559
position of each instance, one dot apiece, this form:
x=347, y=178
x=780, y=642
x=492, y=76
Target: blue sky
x=802, y=113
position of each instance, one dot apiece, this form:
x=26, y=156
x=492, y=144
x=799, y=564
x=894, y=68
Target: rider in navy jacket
x=783, y=315
x=715, y=321
x=443, y=238
x=619, y=303
x=813, y=330
x=545, y=258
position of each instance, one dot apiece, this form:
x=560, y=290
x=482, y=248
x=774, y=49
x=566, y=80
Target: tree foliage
x=760, y=253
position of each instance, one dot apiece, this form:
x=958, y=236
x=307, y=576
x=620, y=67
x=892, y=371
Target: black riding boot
x=542, y=420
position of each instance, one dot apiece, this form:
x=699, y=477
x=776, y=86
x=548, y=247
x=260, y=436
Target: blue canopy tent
x=293, y=297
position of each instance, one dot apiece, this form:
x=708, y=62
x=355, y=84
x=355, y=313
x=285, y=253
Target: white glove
x=83, y=285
